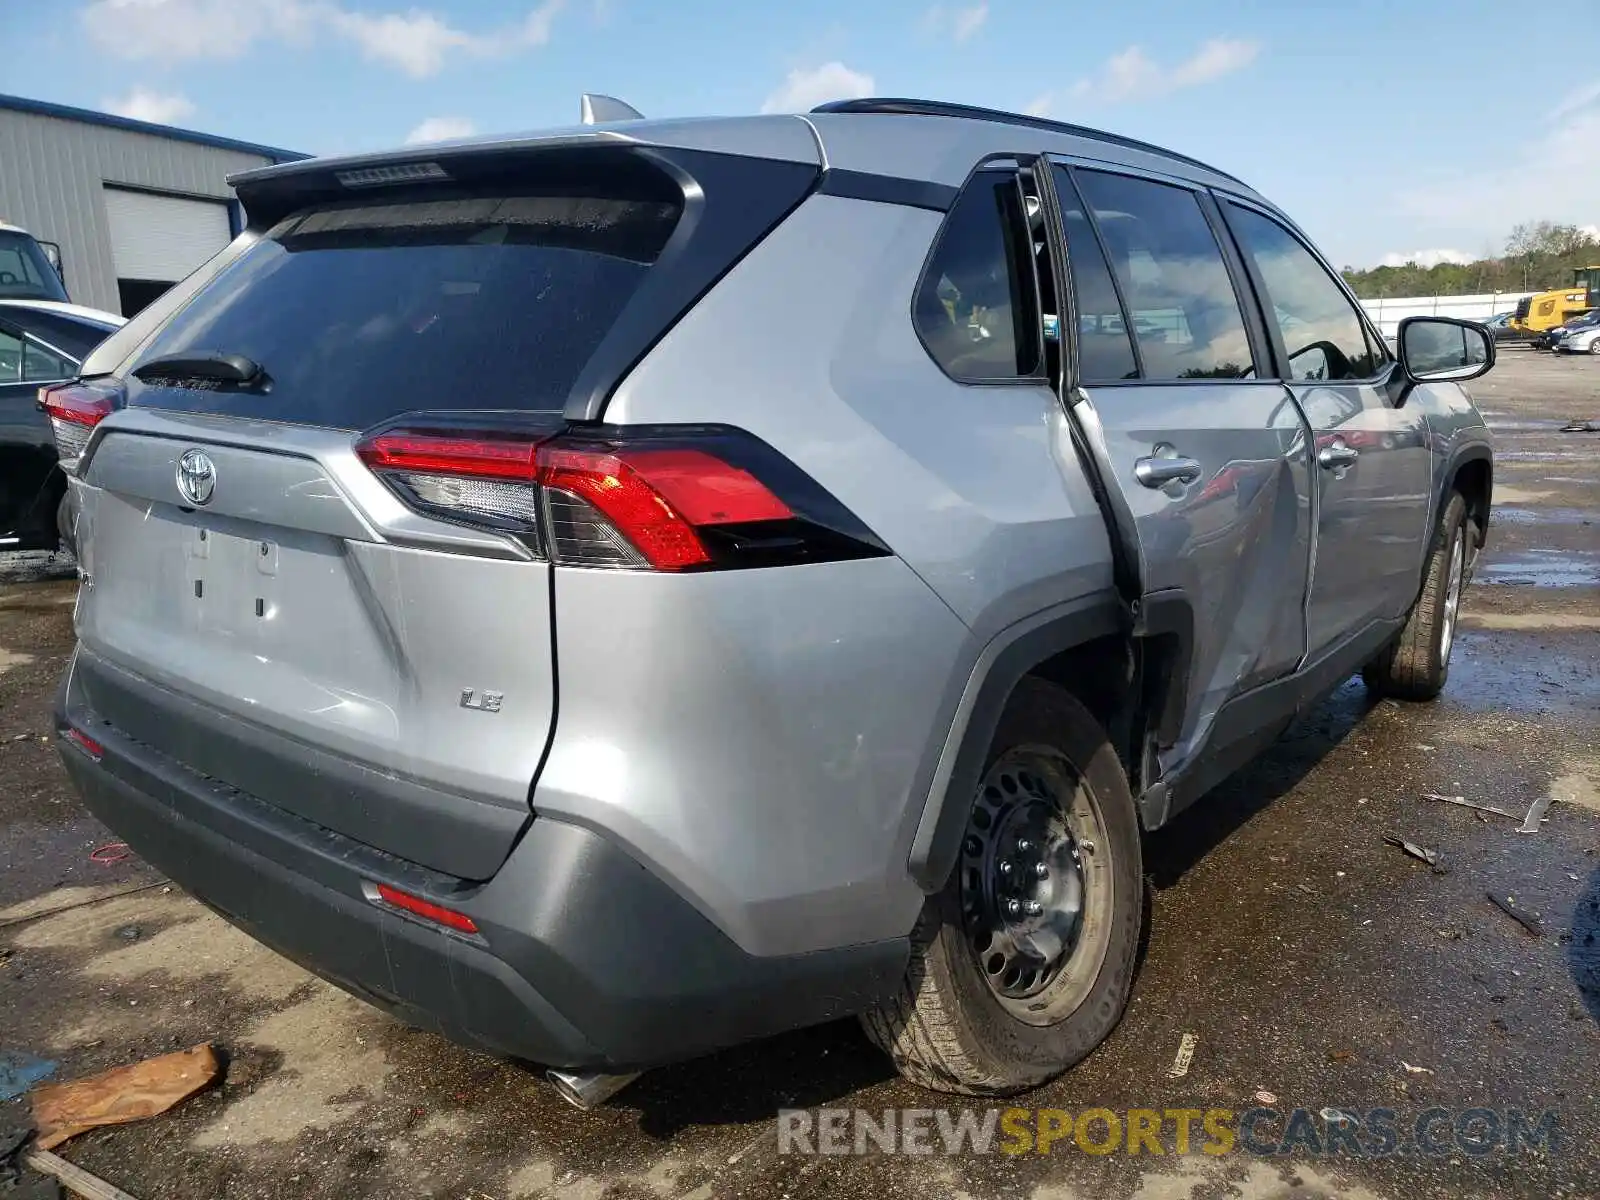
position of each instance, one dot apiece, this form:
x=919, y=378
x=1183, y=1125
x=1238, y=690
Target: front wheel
x=1416, y=664
x=1023, y=963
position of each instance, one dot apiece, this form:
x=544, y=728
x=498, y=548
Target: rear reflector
x=661, y=498
x=435, y=913
x=85, y=743
x=74, y=410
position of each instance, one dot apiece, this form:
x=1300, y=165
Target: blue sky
x=1390, y=128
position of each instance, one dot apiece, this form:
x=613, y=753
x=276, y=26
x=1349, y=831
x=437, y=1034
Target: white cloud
x=805, y=89
x=958, y=24
x=1041, y=105
x=1427, y=258
x=1575, y=101
x=142, y=104
x=416, y=41
x=1552, y=177
x=1134, y=75
x=441, y=129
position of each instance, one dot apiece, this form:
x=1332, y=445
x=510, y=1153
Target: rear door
x=1207, y=460
x=1374, y=468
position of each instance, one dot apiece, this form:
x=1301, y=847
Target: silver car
x=614, y=593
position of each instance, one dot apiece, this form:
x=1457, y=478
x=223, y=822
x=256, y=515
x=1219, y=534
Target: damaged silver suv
x=615, y=593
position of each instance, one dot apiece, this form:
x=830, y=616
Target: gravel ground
x=1311, y=962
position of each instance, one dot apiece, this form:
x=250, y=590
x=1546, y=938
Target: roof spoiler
x=595, y=109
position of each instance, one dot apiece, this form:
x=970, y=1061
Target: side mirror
x=1441, y=349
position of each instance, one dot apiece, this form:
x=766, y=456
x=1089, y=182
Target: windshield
x=25, y=273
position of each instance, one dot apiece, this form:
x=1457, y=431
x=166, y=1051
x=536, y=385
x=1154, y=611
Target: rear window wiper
x=228, y=369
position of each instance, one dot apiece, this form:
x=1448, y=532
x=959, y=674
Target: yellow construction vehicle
x=1547, y=310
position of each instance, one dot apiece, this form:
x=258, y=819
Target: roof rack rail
x=940, y=108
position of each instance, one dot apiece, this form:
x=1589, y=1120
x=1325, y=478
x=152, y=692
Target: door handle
x=1157, y=472
x=1336, y=455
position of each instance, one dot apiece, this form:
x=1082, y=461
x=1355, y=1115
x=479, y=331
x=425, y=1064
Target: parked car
x=1501, y=329
x=41, y=343
x=881, y=631
x=29, y=269
x=1548, y=339
x=1579, y=336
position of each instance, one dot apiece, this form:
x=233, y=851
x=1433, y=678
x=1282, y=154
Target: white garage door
x=163, y=238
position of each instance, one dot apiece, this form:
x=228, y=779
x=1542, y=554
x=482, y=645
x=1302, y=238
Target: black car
x=1501, y=329
x=40, y=343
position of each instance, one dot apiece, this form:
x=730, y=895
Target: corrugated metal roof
x=89, y=116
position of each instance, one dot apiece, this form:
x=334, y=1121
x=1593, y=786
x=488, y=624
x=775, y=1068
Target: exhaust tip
x=588, y=1091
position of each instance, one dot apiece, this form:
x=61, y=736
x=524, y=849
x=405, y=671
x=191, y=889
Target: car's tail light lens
x=436, y=914
x=646, y=498
x=74, y=410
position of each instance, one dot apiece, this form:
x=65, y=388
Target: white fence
x=1388, y=313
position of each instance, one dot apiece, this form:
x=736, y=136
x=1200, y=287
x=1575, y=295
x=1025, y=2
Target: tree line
x=1537, y=257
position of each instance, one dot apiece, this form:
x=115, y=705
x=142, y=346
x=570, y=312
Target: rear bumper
x=584, y=959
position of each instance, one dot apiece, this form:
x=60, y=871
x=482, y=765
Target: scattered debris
x=77, y=1180
x=1307, y=889
x=1341, y=1056
x=1424, y=746
x=1570, y=875
x=20, y=1070
x=1265, y=1097
x=122, y=1094
x=1411, y=1070
x=1334, y=1116
x=1465, y=803
x=1422, y=853
x=129, y=933
x=1580, y=426
x=1508, y=905
x=110, y=853
x=1180, y=1064
x=1536, y=812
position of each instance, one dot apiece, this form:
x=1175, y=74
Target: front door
x=1373, y=467
x=1205, y=454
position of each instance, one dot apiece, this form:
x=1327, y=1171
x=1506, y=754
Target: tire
x=950, y=1028
x=64, y=524
x=1594, y=346
x=1416, y=665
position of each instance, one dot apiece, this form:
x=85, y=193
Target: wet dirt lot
x=1315, y=966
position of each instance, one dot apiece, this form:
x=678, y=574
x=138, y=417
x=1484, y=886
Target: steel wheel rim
x=1036, y=885
x=1452, y=595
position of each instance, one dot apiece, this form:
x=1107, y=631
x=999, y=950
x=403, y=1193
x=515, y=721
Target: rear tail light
x=74, y=410
x=645, y=498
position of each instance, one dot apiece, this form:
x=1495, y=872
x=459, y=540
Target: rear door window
x=1180, y=298
x=363, y=310
x=1105, y=351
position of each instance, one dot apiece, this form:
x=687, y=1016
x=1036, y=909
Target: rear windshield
x=25, y=273
x=360, y=311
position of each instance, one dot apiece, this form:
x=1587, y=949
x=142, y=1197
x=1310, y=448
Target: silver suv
x=615, y=593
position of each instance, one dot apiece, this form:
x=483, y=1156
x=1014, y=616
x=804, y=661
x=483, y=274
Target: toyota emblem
x=197, y=477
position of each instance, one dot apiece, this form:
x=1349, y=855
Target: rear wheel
x=64, y=524
x=1416, y=664
x=1022, y=964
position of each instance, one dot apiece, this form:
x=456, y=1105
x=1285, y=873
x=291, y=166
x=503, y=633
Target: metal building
x=134, y=206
